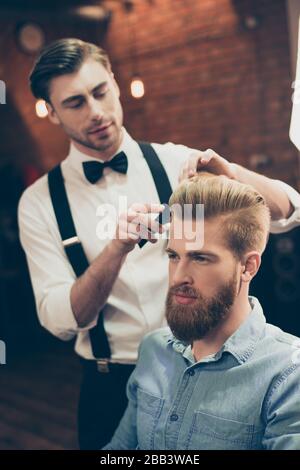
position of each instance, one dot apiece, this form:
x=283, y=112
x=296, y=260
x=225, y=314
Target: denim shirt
x=246, y=396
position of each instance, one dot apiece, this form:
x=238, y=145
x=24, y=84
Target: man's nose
x=96, y=110
x=181, y=275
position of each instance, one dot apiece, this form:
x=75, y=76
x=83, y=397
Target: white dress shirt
x=135, y=305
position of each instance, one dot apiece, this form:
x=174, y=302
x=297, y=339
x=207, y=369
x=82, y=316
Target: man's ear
x=52, y=114
x=250, y=265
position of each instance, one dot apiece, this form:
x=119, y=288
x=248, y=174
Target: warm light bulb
x=137, y=88
x=41, y=109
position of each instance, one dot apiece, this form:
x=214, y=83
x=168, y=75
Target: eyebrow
x=72, y=98
x=194, y=253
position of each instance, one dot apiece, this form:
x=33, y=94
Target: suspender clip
x=70, y=241
x=102, y=366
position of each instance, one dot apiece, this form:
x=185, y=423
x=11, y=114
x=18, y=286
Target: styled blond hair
x=244, y=213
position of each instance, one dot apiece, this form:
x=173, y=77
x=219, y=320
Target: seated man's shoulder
x=284, y=347
x=159, y=336
x=280, y=338
x=157, y=339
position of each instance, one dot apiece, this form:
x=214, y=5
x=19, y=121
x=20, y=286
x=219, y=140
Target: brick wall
x=209, y=82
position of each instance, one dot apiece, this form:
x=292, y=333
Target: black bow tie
x=93, y=170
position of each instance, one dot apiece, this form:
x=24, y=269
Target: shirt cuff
x=284, y=225
x=57, y=316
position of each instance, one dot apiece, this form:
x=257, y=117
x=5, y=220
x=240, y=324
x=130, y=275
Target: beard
x=193, y=322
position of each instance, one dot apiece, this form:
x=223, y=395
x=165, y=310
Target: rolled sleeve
x=284, y=225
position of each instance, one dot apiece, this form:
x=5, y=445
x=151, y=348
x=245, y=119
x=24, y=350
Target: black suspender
x=158, y=172
x=75, y=252
x=72, y=245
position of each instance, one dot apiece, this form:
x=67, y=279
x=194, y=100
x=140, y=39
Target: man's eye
x=101, y=94
x=76, y=105
x=200, y=259
x=171, y=256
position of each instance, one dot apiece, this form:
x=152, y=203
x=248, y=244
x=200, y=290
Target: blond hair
x=244, y=213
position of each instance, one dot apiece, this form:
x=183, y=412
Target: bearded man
x=219, y=376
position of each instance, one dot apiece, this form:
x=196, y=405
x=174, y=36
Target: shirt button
x=174, y=417
x=191, y=372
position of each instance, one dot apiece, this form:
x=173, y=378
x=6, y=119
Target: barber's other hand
x=209, y=161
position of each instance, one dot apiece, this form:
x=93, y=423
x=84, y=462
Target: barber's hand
x=207, y=161
x=137, y=223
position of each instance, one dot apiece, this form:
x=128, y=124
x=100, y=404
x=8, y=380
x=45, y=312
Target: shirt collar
x=75, y=157
x=241, y=344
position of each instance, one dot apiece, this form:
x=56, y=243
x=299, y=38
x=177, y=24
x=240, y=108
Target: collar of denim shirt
x=241, y=344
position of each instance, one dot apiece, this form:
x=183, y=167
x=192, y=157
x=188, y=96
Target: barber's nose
x=96, y=110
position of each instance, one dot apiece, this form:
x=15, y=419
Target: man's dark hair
x=62, y=57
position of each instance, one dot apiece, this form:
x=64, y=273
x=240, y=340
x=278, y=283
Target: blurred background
x=205, y=73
